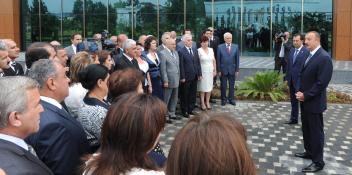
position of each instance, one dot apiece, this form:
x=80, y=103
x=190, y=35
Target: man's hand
x=237, y=73
x=183, y=80
x=300, y=96
x=200, y=77
x=166, y=85
x=150, y=89
x=219, y=74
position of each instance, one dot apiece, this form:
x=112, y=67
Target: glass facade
x=253, y=23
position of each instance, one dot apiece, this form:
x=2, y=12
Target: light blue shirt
x=18, y=141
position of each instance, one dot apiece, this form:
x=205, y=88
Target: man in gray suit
x=170, y=76
x=19, y=117
x=71, y=50
x=166, y=36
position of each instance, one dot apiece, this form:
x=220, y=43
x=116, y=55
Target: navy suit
x=228, y=64
x=16, y=160
x=190, y=70
x=18, y=70
x=314, y=79
x=294, y=66
x=60, y=141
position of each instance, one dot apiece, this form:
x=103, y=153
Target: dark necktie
x=32, y=151
x=190, y=51
x=307, y=60
x=13, y=64
x=295, y=55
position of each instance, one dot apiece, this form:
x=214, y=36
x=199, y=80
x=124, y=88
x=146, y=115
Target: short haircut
x=74, y=34
x=301, y=37
x=163, y=37
x=42, y=70
x=57, y=48
x=210, y=144
x=148, y=42
x=204, y=39
x=186, y=36
x=227, y=34
x=78, y=62
x=39, y=45
x=128, y=44
x=130, y=130
x=34, y=54
x=123, y=81
x=316, y=34
x=3, y=46
x=184, y=31
x=90, y=75
x=13, y=96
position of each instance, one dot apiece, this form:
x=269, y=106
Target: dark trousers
x=188, y=93
x=294, y=104
x=313, y=134
x=280, y=62
x=223, y=85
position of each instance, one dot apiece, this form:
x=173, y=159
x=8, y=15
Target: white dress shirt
x=51, y=101
x=18, y=141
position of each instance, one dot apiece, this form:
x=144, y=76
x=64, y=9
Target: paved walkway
x=274, y=143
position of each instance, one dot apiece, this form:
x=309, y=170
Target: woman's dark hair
x=130, y=130
x=91, y=74
x=123, y=81
x=148, y=41
x=203, y=38
x=103, y=56
x=211, y=144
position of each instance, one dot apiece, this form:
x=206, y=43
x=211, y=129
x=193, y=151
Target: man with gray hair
x=164, y=38
x=4, y=58
x=61, y=140
x=127, y=59
x=19, y=117
x=14, y=52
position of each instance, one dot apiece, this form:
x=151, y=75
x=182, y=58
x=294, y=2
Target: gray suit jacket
x=70, y=52
x=170, y=68
x=18, y=161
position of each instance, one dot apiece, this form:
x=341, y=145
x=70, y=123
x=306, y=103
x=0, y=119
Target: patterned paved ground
x=274, y=143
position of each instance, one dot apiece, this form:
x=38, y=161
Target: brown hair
x=123, y=81
x=78, y=62
x=210, y=144
x=103, y=56
x=203, y=38
x=149, y=40
x=130, y=130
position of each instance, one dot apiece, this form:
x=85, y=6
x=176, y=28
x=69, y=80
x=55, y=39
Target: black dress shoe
x=185, y=115
x=168, y=121
x=303, y=155
x=291, y=122
x=232, y=103
x=314, y=167
x=175, y=118
x=223, y=103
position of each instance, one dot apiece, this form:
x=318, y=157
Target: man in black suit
x=61, y=141
x=315, y=76
x=19, y=118
x=282, y=49
x=118, y=51
x=190, y=73
x=127, y=59
x=295, y=60
x=14, y=52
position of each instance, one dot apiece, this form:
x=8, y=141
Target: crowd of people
x=93, y=109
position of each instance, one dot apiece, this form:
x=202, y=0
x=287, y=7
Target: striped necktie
x=307, y=60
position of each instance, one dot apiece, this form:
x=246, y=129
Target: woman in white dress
x=208, y=66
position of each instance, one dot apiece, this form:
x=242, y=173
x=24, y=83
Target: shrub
x=263, y=85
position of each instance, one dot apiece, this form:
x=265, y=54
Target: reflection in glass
x=95, y=17
x=196, y=18
x=123, y=20
x=50, y=23
x=287, y=16
x=145, y=18
x=171, y=16
x=318, y=16
x=227, y=18
x=256, y=28
x=30, y=22
x=72, y=20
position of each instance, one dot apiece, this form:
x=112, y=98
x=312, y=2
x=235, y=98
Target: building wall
x=342, y=30
x=10, y=20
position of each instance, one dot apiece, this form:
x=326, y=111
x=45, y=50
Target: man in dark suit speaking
x=314, y=78
x=228, y=61
x=19, y=117
x=295, y=60
x=61, y=141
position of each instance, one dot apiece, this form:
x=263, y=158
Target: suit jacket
x=170, y=68
x=189, y=65
x=214, y=44
x=123, y=62
x=69, y=51
x=314, y=78
x=287, y=48
x=18, y=70
x=16, y=160
x=60, y=141
x=228, y=63
x=181, y=44
x=294, y=68
x=116, y=55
